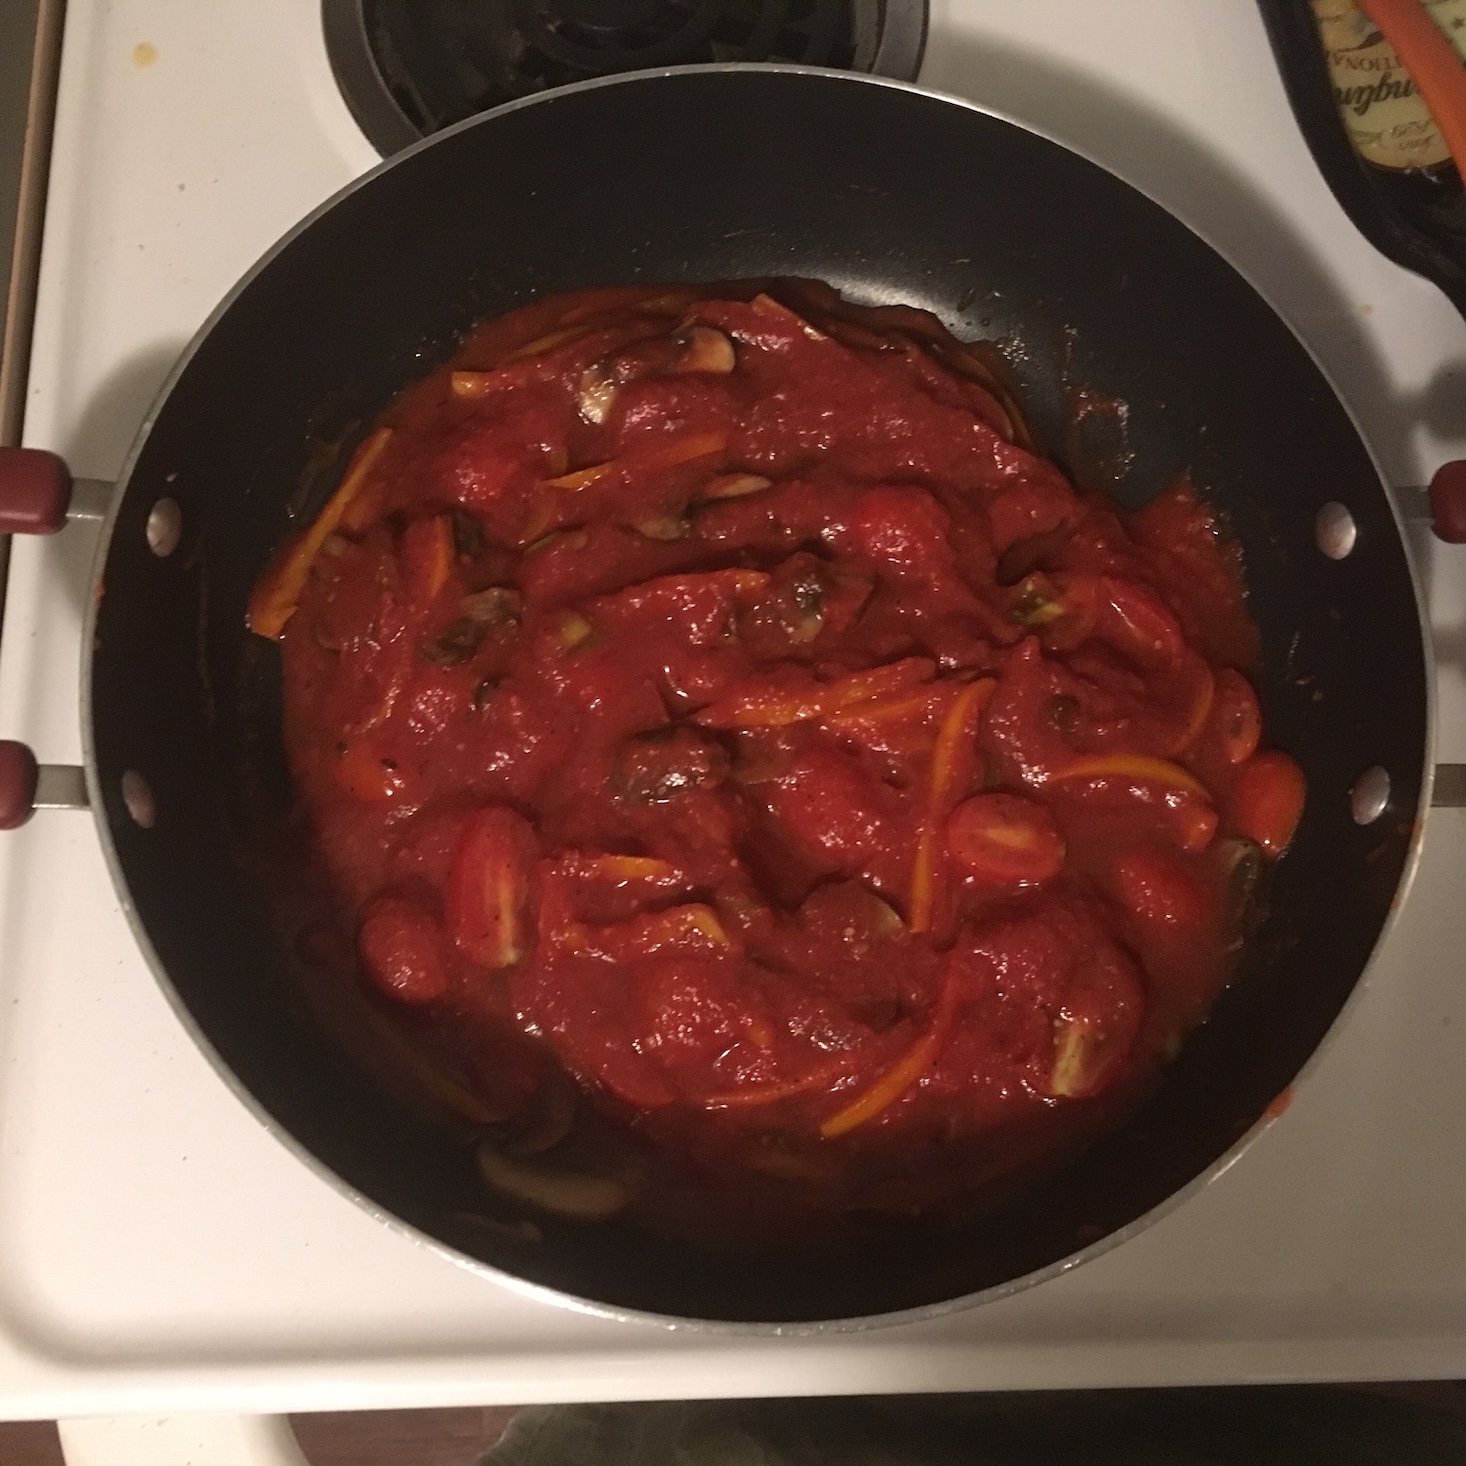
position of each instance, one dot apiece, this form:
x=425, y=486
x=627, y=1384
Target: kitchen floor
x=359, y=1438
x=1412, y=1428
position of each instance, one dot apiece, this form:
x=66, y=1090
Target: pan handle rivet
x=1335, y=530
x=165, y=527
x=137, y=795
x=1370, y=795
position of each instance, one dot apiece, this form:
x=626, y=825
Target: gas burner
x=410, y=67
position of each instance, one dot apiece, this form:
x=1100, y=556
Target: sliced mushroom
x=655, y=767
x=468, y=535
x=1036, y=601
x=573, y=630
x=575, y=1194
x=499, y=605
x=704, y=349
x=456, y=645
x=548, y=1120
x=663, y=527
x=480, y=613
x=1071, y=1048
x=734, y=486
x=596, y=392
x=1085, y=1058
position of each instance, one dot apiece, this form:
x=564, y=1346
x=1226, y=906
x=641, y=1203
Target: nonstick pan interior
x=891, y=195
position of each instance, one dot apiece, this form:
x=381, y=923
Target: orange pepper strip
x=431, y=556
x=903, y=1074
x=954, y=728
x=581, y=477
x=274, y=599
x=1433, y=63
x=1132, y=766
x=630, y=868
x=778, y=709
x=944, y=767
x=924, y=879
x=768, y=1094
x=683, y=450
x=880, y=710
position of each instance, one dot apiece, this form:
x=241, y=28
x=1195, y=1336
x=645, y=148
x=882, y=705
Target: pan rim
x=544, y=1292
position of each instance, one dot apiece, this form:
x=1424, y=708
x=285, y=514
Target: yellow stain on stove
x=144, y=53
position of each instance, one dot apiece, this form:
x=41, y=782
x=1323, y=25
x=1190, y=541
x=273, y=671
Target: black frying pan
x=891, y=195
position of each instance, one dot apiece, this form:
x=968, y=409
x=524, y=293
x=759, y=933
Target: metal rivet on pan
x=1335, y=530
x=1370, y=795
x=164, y=527
x=138, y=797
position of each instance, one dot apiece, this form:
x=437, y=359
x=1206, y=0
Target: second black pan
x=890, y=194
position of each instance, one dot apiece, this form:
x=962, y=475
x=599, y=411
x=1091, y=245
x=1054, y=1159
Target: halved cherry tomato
x=489, y=889
x=1134, y=620
x=401, y=947
x=904, y=531
x=1005, y=839
x=1236, y=716
x=1267, y=800
x=1160, y=890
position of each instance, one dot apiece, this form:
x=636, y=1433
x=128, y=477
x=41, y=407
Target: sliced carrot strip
x=1132, y=766
x=955, y=726
x=899, y=1078
x=275, y=597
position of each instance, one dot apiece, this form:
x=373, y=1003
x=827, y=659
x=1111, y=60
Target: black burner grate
x=410, y=67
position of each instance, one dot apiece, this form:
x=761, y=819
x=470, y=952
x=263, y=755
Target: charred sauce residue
x=747, y=785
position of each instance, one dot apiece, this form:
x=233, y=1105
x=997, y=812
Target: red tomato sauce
x=716, y=701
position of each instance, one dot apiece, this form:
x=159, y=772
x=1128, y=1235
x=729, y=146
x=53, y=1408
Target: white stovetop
x=160, y=1251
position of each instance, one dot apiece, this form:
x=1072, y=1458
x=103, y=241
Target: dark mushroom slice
x=658, y=766
x=479, y=614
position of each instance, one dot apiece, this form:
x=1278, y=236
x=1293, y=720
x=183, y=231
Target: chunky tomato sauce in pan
x=748, y=784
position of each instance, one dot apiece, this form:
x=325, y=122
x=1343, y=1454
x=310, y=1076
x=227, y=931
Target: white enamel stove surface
x=160, y=1251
